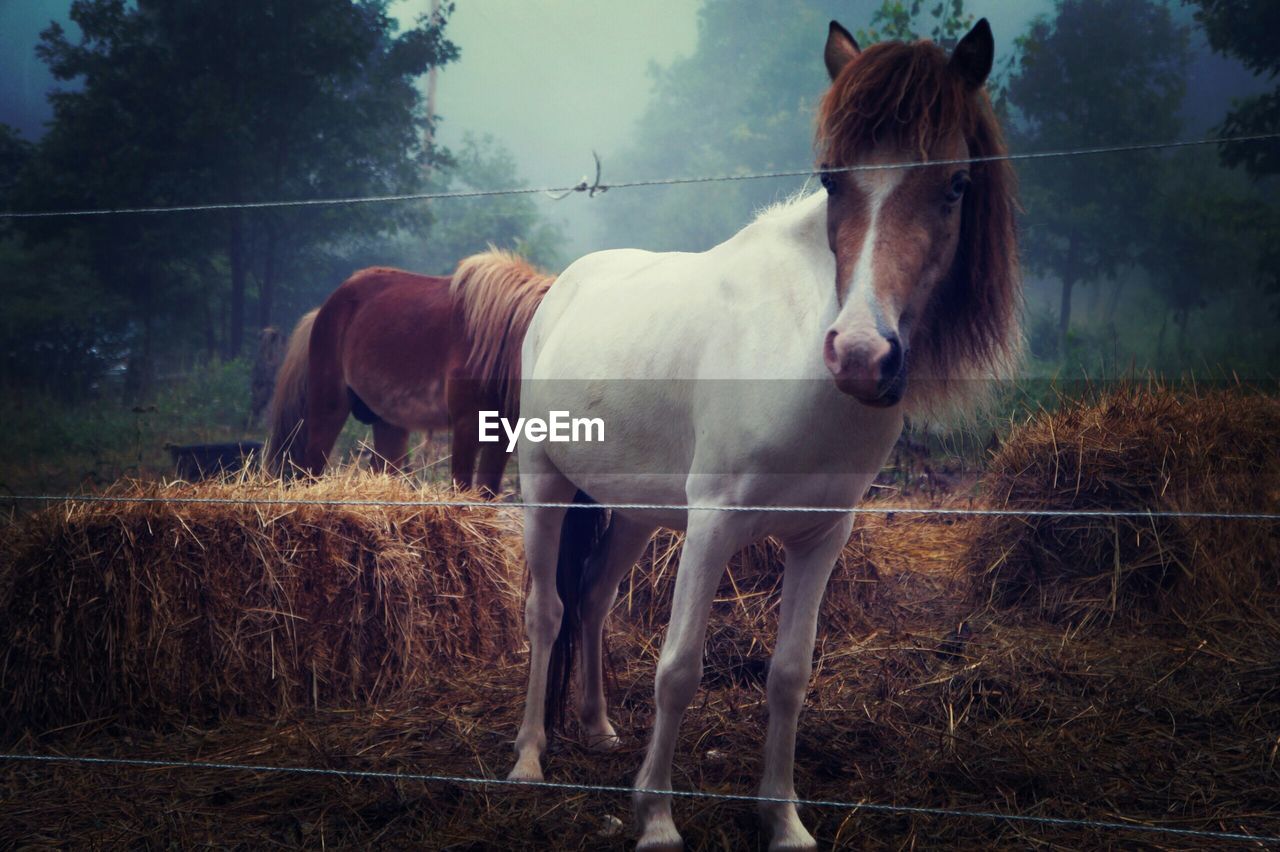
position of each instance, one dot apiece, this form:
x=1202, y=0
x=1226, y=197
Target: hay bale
x=177, y=611
x=1134, y=448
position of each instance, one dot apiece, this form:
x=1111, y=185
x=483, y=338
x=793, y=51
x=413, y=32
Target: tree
x=228, y=100
x=1201, y=236
x=1246, y=30
x=1093, y=74
x=743, y=102
x=15, y=153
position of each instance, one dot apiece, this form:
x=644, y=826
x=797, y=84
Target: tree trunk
x=1115, y=301
x=1064, y=309
x=1064, y=314
x=140, y=368
x=1095, y=300
x=210, y=331
x=266, y=290
x=1164, y=324
x=235, y=334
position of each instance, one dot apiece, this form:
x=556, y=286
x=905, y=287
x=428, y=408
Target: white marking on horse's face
x=864, y=316
x=894, y=233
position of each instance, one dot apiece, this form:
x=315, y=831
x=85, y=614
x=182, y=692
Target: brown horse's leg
x=391, y=448
x=493, y=461
x=327, y=412
x=462, y=458
x=464, y=420
x=328, y=403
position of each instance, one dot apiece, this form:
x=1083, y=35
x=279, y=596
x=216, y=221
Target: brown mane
x=497, y=293
x=905, y=97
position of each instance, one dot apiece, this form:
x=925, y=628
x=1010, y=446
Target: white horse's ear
x=974, y=55
x=840, y=49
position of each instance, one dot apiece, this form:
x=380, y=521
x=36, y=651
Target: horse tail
x=288, y=412
x=581, y=535
x=497, y=293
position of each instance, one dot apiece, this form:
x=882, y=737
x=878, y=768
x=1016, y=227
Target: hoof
x=661, y=840
x=795, y=839
x=603, y=741
x=525, y=771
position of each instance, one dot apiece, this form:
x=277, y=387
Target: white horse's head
x=925, y=260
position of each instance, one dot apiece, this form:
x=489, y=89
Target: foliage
x=1246, y=30
x=54, y=442
x=15, y=153
x=900, y=20
x=244, y=101
x=1202, y=236
x=59, y=333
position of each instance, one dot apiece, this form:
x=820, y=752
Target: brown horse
x=403, y=351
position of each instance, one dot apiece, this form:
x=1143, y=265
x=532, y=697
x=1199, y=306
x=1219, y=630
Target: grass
x=54, y=446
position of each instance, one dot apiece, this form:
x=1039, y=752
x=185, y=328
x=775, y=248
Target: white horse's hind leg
x=542, y=612
x=708, y=545
x=625, y=542
x=808, y=568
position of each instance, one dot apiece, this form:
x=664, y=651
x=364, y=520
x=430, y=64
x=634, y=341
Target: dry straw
x=1164, y=711
x=1134, y=447
x=192, y=611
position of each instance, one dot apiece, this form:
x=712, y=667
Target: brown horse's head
x=926, y=261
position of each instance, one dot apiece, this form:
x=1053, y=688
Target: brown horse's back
x=390, y=335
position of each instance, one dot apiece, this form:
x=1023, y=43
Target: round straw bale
x=1132, y=448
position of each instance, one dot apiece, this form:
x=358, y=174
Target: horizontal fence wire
x=465, y=780
x=598, y=187
x=881, y=510
x=656, y=507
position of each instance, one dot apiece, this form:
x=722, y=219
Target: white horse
x=827, y=295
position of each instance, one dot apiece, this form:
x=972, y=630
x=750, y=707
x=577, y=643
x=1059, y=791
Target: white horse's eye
x=828, y=180
x=959, y=183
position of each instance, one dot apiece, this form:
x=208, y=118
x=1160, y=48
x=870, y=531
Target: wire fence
x=593, y=189
x=1152, y=514
x=606, y=789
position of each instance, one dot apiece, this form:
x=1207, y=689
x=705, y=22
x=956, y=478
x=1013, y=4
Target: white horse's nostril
x=829, y=352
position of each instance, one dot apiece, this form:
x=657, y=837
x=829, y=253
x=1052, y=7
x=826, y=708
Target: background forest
x=119, y=333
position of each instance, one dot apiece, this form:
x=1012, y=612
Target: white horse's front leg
x=708, y=545
x=808, y=568
x=625, y=542
x=542, y=612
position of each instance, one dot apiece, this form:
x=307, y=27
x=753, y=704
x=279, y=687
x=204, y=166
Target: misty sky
x=556, y=79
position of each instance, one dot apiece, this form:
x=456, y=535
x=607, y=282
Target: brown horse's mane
x=904, y=97
x=497, y=293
